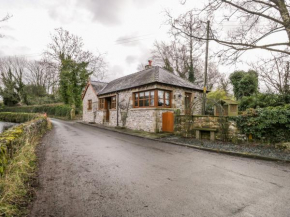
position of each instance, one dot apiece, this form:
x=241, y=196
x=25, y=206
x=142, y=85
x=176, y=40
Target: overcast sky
x=122, y=29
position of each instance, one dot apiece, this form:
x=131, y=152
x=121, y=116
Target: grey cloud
x=7, y=28
x=105, y=11
x=115, y=71
x=131, y=59
x=9, y=37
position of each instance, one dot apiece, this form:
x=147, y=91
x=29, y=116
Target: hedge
x=58, y=110
x=17, y=117
x=14, y=138
x=270, y=124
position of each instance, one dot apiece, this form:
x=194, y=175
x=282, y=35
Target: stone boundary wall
x=14, y=138
x=184, y=125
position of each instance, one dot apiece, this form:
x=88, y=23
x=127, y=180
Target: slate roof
x=152, y=75
x=98, y=85
x=230, y=102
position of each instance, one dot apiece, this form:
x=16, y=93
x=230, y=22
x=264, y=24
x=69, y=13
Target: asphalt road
x=86, y=171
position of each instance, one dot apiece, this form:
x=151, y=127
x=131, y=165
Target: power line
x=125, y=39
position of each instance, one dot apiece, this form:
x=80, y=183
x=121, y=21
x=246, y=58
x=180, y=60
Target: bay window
x=152, y=98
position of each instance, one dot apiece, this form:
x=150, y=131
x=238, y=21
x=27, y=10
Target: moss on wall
x=14, y=138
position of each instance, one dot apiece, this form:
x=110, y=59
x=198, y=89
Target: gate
x=167, y=122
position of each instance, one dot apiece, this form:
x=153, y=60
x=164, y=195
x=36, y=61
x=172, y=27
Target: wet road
x=86, y=171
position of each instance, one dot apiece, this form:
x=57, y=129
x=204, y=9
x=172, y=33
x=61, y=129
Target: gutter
x=117, y=108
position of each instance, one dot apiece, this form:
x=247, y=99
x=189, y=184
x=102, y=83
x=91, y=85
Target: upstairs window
x=113, y=102
x=101, y=103
x=90, y=105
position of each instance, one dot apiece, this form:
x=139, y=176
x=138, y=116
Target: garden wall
x=13, y=139
x=226, y=129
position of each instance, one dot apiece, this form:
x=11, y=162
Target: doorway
x=167, y=122
x=108, y=107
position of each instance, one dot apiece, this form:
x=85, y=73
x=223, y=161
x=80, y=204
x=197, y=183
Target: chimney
x=150, y=64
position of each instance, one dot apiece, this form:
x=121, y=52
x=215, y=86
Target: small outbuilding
x=227, y=107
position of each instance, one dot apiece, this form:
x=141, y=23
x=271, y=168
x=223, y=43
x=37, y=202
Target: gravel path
x=257, y=149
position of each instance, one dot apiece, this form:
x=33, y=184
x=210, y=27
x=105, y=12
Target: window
x=187, y=103
x=164, y=98
x=113, y=102
x=144, y=99
x=234, y=108
x=102, y=104
x=90, y=105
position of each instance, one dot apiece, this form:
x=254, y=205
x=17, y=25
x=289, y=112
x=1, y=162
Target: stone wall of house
x=89, y=116
x=113, y=118
x=147, y=119
x=100, y=116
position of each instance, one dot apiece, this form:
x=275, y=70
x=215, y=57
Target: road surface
x=86, y=171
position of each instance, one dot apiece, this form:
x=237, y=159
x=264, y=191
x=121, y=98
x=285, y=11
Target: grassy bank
x=18, y=164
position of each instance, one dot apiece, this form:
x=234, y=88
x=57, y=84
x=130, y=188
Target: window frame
x=113, y=102
x=155, y=98
x=90, y=105
x=187, y=95
x=101, y=103
x=164, y=98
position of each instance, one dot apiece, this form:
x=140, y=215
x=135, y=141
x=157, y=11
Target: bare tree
x=5, y=18
x=41, y=73
x=141, y=67
x=224, y=83
x=213, y=75
x=251, y=23
x=172, y=56
x=69, y=45
x=275, y=73
x=175, y=57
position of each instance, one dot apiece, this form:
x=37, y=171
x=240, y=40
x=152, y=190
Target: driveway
x=86, y=171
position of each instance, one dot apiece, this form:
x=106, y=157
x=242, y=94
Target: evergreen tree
x=73, y=78
x=8, y=92
x=244, y=83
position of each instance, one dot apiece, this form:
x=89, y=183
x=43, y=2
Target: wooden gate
x=167, y=122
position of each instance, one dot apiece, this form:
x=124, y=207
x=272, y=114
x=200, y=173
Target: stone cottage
x=138, y=101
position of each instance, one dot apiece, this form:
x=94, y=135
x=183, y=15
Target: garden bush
x=270, y=124
x=58, y=110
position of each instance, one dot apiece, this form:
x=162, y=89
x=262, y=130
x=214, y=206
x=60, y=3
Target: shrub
x=262, y=100
x=271, y=124
x=59, y=110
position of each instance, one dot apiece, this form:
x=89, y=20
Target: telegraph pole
x=205, y=69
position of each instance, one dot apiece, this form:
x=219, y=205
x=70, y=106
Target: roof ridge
x=157, y=73
x=100, y=82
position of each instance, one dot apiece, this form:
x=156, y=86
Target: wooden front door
x=108, y=107
x=167, y=122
